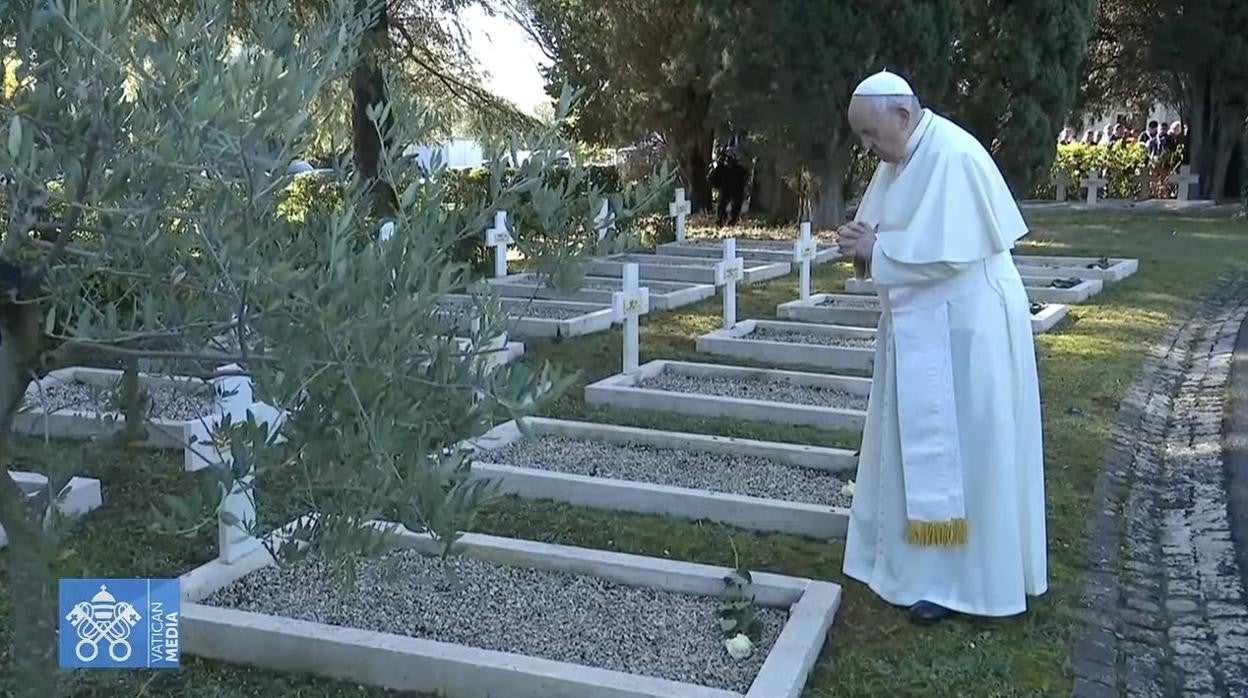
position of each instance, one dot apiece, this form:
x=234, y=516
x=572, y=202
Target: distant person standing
x=728, y=177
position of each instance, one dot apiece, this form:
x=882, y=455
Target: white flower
x=739, y=647
x=848, y=489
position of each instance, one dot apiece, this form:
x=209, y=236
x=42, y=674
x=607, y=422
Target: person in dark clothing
x=728, y=177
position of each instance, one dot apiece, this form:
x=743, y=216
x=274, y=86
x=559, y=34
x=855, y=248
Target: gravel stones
x=755, y=389
x=764, y=334
x=749, y=476
x=554, y=615
x=455, y=312
x=852, y=303
x=175, y=403
x=672, y=261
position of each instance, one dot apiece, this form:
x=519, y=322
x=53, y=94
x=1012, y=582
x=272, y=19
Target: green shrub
x=1122, y=164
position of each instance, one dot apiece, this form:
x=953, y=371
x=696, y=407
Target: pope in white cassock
x=948, y=513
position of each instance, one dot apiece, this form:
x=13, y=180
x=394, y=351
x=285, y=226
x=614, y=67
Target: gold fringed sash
x=934, y=533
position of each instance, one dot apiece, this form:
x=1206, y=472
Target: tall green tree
x=789, y=71
x=1018, y=65
x=644, y=69
x=1193, y=54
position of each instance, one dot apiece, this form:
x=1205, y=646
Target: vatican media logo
x=120, y=623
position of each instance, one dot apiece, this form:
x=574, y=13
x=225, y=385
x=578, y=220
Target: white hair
x=886, y=103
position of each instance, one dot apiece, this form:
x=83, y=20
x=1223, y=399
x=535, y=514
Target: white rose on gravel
x=739, y=647
x=848, y=489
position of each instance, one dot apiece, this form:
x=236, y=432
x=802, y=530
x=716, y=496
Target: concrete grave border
x=1049, y=317
x=734, y=342
x=813, y=310
x=689, y=269
x=82, y=425
x=79, y=496
x=412, y=664
x=1037, y=289
x=810, y=311
x=664, y=295
x=596, y=318
x=1119, y=267
x=744, y=511
x=620, y=391
x=748, y=248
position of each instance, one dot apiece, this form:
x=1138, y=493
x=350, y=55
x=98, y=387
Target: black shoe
x=928, y=613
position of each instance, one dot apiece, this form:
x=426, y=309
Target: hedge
x=1122, y=164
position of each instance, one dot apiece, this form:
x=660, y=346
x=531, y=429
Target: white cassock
x=949, y=498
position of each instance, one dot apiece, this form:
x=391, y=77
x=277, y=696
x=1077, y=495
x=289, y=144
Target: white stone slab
x=405, y=663
x=699, y=270
x=755, y=513
x=761, y=250
x=1083, y=267
x=1038, y=289
x=86, y=425
x=594, y=318
x=737, y=343
x=664, y=295
x=621, y=391
x=79, y=496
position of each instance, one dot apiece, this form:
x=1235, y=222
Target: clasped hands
x=856, y=239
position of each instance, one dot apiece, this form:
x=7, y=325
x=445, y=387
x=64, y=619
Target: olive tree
x=143, y=170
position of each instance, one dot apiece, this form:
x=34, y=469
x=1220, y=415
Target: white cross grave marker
x=678, y=209
x=728, y=273
x=804, y=254
x=629, y=305
x=239, y=504
x=1062, y=182
x=1184, y=181
x=604, y=221
x=499, y=238
x=1094, y=184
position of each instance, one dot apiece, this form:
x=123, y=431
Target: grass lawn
x=1085, y=367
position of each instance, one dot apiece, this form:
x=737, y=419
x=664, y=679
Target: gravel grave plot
x=744, y=244
x=167, y=402
x=554, y=615
x=749, y=476
x=755, y=389
x=765, y=334
x=521, y=309
x=543, y=312
x=679, y=262
x=855, y=303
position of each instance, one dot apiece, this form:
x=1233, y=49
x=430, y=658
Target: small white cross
x=1184, y=181
x=604, y=221
x=678, y=209
x=499, y=238
x=629, y=305
x=728, y=273
x=237, y=401
x=1093, y=184
x=1062, y=182
x=804, y=254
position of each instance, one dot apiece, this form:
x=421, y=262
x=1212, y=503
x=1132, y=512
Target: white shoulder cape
x=946, y=202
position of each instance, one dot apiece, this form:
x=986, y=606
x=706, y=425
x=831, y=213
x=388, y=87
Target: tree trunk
x=368, y=91
x=697, y=162
x=29, y=577
x=827, y=210
x=770, y=196
x=1226, y=139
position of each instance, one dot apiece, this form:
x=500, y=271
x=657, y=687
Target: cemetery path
x=1164, y=606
